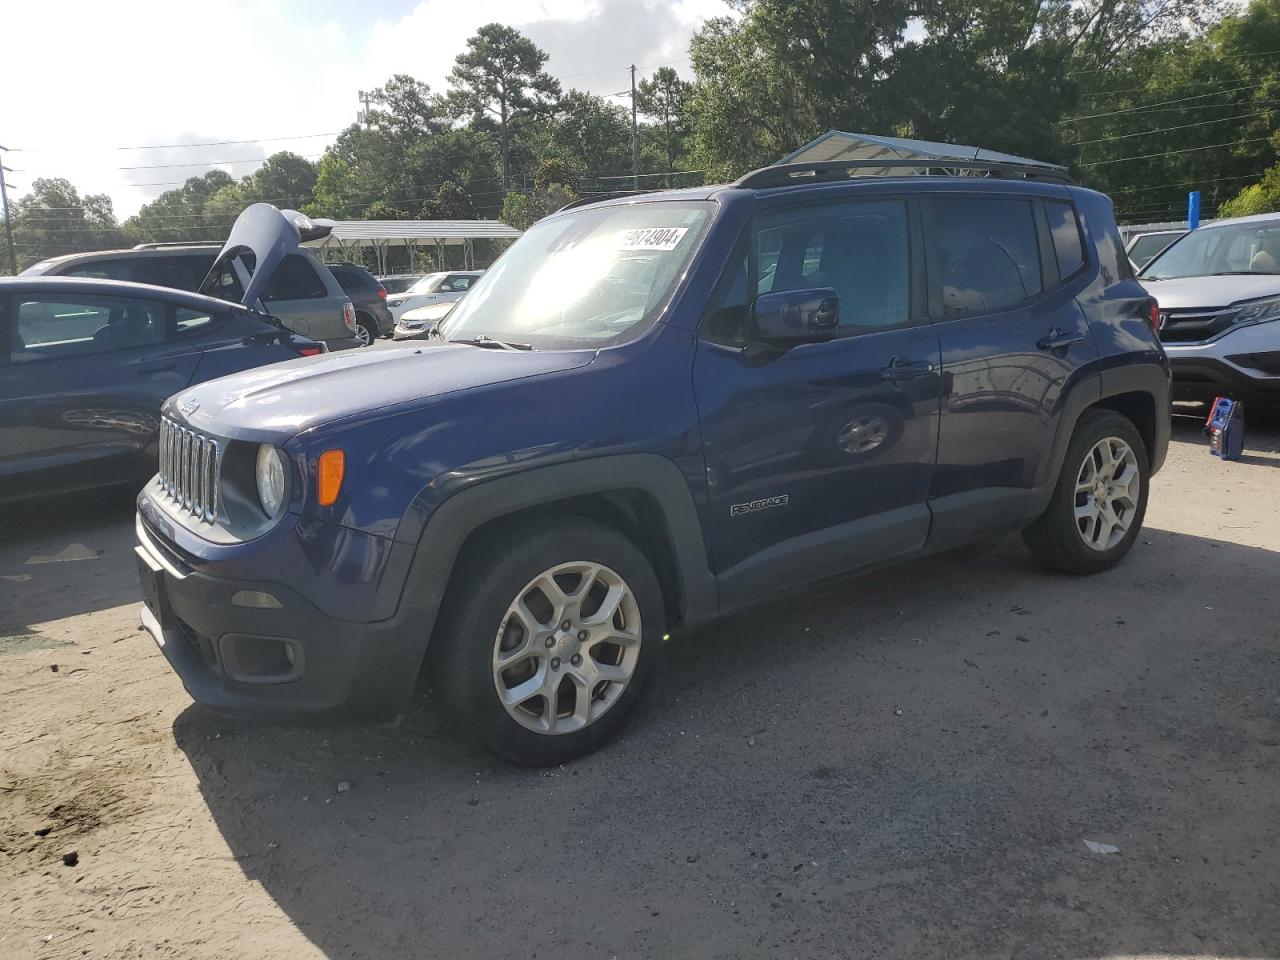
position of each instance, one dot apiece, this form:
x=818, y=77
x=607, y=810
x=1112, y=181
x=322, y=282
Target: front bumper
x=290, y=661
x=1241, y=362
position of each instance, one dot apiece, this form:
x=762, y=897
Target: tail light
x=311, y=350
x=349, y=315
x=382, y=292
x=1153, y=316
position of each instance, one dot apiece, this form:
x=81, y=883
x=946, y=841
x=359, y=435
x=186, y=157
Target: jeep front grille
x=189, y=465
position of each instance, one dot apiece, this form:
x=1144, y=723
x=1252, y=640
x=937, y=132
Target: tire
x=1060, y=537
x=366, y=330
x=479, y=624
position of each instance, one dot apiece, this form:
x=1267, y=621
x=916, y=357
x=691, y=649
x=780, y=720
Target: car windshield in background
x=427, y=284
x=588, y=278
x=1252, y=247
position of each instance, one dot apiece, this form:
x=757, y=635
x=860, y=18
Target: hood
x=269, y=235
x=281, y=400
x=1208, y=293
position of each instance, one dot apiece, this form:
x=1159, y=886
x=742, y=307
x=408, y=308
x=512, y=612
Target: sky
x=104, y=93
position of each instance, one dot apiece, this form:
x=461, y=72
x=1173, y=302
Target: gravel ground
x=903, y=765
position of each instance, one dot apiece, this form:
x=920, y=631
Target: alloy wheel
x=1108, y=486
x=567, y=647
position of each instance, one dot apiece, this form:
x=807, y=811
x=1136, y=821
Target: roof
x=448, y=232
x=839, y=145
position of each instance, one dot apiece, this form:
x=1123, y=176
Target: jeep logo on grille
x=190, y=407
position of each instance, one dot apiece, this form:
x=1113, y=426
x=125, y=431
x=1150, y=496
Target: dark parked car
x=650, y=412
x=86, y=364
x=373, y=319
x=302, y=294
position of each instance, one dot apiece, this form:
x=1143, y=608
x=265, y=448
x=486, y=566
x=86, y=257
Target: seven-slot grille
x=189, y=469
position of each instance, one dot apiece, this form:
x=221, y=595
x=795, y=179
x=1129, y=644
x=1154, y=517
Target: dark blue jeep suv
x=651, y=411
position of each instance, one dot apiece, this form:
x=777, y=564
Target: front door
x=819, y=457
x=82, y=379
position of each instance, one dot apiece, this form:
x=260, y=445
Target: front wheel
x=550, y=641
x=1097, y=507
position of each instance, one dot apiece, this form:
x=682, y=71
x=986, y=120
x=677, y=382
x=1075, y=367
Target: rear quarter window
x=295, y=279
x=1068, y=244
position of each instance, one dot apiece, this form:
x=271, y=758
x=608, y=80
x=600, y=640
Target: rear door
x=819, y=457
x=1014, y=344
x=82, y=378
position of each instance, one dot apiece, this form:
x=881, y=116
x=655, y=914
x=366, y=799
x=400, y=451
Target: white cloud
x=93, y=76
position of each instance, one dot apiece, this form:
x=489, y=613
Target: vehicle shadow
x=65, y=556
x=910, y=762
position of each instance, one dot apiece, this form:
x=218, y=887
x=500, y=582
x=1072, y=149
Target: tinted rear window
x=990, y=258
x=294, y=279
x=1067, y=243
x=181, y=273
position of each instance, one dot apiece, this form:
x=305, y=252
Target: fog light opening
x=255, y=600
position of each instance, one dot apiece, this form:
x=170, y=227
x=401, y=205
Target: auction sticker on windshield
x=652, y=238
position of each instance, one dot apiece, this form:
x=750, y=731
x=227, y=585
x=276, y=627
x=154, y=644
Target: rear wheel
x=1098, y=505
x=554, y=634
x=366, y=330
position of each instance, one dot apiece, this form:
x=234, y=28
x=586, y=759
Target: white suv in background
x=1219, y=293
x=431, y=289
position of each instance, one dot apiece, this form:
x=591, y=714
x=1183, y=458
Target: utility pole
x=363, y=115
x=4, y=207
x=635, y=141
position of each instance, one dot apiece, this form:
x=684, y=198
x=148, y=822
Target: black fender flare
x=458, y=517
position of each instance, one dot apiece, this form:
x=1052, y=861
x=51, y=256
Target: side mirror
x=796, y=316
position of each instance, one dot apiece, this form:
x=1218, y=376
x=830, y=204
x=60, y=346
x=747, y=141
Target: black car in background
x=85, y=365
x=373, y=319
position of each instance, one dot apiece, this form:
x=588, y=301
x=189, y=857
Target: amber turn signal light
x=329, y=471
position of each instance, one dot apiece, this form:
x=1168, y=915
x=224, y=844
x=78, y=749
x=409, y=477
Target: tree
x=179, y=214
x=587, y=137
x=663, y=98
x=500, y=75
x=451, y=202
x=524, y=210
x=54, y=219
x=1260, y=197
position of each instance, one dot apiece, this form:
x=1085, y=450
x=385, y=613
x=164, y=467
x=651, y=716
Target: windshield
x=587, y=278
x=1237, y=248
x=427, y=284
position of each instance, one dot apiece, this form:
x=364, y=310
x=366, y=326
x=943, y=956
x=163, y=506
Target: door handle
x=157, y=368
x=899, y=369
x=1057, y=340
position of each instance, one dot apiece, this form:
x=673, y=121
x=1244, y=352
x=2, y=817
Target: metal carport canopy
x=381, y=235
x=839, y=145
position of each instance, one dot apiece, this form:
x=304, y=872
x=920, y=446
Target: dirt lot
x=904, y=765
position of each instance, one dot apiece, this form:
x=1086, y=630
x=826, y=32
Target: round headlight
x=270, y=477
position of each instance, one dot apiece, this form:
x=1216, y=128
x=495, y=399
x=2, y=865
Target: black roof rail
x=824, y=171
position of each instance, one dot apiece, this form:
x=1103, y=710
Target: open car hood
x=269, y=235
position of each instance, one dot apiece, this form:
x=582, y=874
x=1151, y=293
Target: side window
x=860, y=250
x=726, y=316
x=461, y=283
x=295, y=279
x=62, y=326
x=988, y=252
x=1067, y=242
x=180, y=273
x=115, y=268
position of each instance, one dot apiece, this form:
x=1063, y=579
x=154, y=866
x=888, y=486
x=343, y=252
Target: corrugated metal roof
x=839, y=145
x=423, y=231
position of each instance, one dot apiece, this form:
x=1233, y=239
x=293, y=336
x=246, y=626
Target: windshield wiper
x=1243, y=273
x=480, y=340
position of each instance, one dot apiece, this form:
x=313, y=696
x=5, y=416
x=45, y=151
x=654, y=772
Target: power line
x=1185, y=183
x=1184, y=126
x=1169, y=153
x=1161, y=103
x=1242, y=56
x=212, y=163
